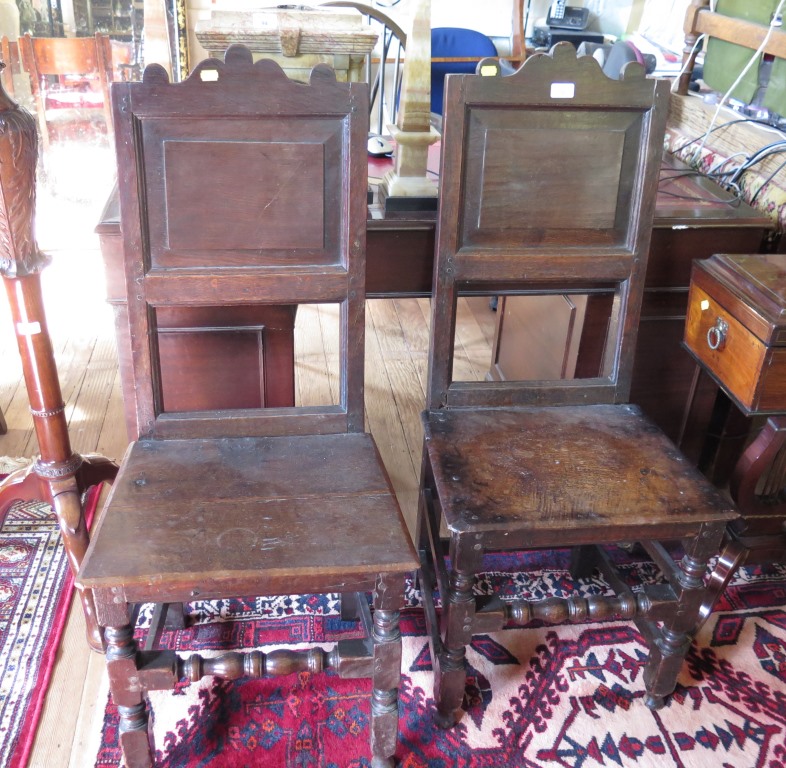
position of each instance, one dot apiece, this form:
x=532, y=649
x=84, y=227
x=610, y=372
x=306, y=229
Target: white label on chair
x=28, y=329
x=208, y=75
x=563, y=90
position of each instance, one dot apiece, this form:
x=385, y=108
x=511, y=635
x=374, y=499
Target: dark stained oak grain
x=220, y=498
x=548, y=184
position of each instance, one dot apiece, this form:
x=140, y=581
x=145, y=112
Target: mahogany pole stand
x=59, y=475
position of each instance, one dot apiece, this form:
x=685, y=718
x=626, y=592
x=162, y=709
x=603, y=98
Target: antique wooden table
x=736, y=333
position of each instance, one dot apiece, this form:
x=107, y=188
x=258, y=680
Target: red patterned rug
x=35, y=595
x=569, y=695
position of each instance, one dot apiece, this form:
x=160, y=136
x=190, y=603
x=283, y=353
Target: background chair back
x=385, y=80
x=64, y=58
x=455, y=42
x=229, y=197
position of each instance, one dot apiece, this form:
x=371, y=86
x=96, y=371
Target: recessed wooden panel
x=542, y=337
x=191, y=379
x=518, y=180
x=243, y=193
x=520, y=194
x=255, y=188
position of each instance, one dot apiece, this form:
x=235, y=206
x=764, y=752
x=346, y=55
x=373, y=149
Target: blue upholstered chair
x=448, y=42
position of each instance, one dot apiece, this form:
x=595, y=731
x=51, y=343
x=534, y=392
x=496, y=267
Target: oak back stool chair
x=547, y=185
x=86, y=59
x=241, y=187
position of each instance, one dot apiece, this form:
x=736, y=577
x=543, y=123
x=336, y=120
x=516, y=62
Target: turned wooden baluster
x=54, y=473
x=691, y=50
x=256, y=664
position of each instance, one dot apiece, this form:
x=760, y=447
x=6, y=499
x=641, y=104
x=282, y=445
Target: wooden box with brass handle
x=736, y=327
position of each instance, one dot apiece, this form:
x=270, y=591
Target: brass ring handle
x=716, y=335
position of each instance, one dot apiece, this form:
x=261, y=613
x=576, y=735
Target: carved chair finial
x=19, y=254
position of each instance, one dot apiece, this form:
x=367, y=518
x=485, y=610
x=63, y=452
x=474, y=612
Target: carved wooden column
x=54, y=475
x=413, y=132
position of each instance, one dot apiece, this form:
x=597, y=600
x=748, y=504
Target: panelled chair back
x=60, y=68
x=547, y=185
x=239, y=187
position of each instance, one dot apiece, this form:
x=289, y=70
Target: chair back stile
x=502, y=226
x=243, y=155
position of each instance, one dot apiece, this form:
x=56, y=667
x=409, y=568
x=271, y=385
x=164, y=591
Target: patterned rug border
x=592, y=673
x=28, y=727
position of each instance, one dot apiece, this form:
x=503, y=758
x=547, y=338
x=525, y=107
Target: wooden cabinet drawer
x=734, y=327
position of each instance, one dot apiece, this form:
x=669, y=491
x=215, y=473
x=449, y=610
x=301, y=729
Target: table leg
x=757, y=485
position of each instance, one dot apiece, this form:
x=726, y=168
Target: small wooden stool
x=736, y=331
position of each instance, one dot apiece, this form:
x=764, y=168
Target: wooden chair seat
x=560, y=468
x=151, y=542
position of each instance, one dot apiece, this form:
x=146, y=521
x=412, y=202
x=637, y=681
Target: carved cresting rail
x=59, y=475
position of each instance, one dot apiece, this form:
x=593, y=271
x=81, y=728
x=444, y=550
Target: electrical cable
x=753, y=120
x=767, y=181
x=757, y=157
x=734, y=200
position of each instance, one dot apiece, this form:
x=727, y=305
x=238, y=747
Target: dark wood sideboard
x=399, y=262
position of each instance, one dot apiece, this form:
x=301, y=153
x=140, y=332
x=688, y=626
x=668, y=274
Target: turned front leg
x=669, y=649
x=128, y=696
x=386, y=677
x=450, y=675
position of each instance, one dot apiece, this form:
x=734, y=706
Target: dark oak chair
x=547, y=186
x=241, y=187
x=702, y=20
x=75, y=71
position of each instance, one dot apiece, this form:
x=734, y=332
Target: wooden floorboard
x=406, y=392
x=384, y=423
